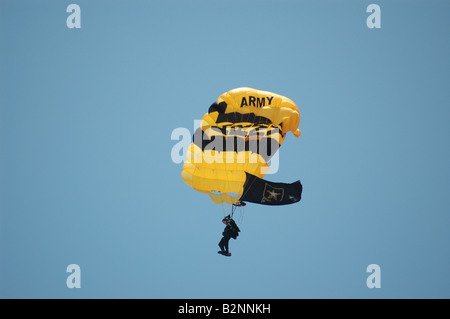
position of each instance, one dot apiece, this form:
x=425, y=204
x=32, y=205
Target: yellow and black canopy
x=234, y=143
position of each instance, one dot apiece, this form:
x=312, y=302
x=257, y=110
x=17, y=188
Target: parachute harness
x=235, y=206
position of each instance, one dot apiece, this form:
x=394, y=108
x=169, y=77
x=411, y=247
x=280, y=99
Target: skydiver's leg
x=222, y=244
x=226, y=241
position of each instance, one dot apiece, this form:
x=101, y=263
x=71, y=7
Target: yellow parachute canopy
x=234, y=143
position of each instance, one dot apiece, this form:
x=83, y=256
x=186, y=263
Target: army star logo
x=272, y=194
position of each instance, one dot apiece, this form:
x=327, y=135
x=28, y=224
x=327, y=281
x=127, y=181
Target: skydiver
x=231, y=231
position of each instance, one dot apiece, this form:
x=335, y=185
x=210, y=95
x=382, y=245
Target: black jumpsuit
x=230, y=231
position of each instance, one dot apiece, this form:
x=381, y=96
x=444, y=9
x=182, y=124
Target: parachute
x=231, y=149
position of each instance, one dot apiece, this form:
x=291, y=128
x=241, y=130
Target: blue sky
x=86, y=175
